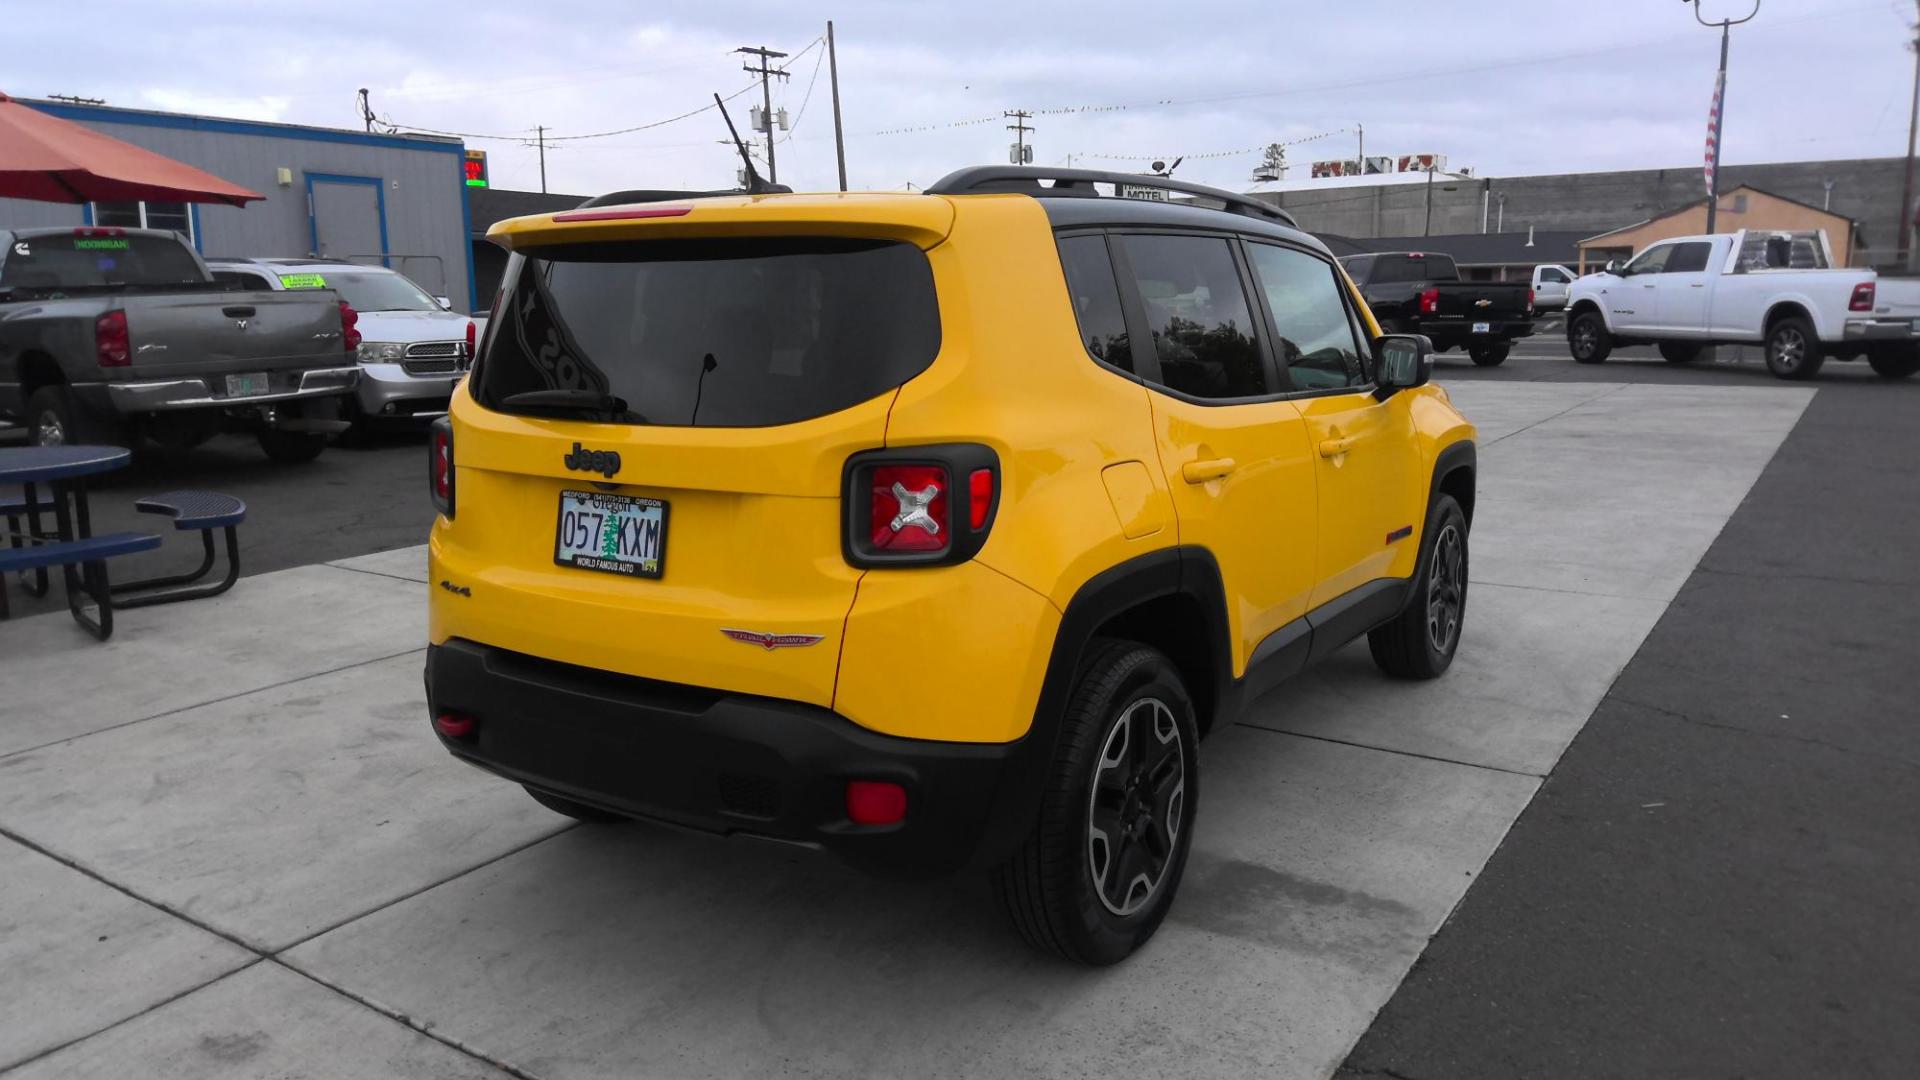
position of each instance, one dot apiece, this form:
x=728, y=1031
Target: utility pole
x=766, y=72
x=1361, y=131
x=1716, y=132
x=833, y=77
x=541, y=136
x=1428, y=229
x=1913, y=125
x=366, y=110
x=1021, y=153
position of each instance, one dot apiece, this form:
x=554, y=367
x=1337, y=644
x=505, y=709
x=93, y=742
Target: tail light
x=99, y=231
x=112, y=347
x=472, y=332
x=924, y=505
x=1430, y=300
x=350, y=328
x=1862, y=297
x=440, y=466
x=1529, y=298
x=876, y=802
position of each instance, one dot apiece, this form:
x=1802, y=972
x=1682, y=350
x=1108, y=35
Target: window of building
x=1201, y=322
x=1313, y=333
x=1096, y=299
x=173, y=216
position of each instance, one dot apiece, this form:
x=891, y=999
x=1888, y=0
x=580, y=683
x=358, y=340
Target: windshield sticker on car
x=99, y=243
x=302, y=281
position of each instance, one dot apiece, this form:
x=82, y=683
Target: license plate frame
x=1483, y=328
x=248, y=384
x=583, y=557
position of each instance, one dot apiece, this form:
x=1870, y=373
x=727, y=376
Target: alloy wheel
x=48, y=430
x=1135, y=807
x=1584, y=338
x=1446, y=589
x=1789, y=348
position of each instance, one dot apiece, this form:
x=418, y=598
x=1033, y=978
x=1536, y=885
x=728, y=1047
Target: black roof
x=488, y=205
x=1475, y=249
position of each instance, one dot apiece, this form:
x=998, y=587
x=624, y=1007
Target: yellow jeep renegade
x=932, y=530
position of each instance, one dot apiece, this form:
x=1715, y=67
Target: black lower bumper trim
x=717, y=762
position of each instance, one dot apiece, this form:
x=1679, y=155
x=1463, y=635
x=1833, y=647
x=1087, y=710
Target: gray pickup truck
x=108, y=335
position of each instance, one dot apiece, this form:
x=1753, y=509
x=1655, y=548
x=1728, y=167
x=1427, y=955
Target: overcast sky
x=1506, y=87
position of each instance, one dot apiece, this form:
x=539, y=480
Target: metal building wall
x=421, y=181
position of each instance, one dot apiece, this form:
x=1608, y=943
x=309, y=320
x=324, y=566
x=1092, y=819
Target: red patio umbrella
x=53, y=160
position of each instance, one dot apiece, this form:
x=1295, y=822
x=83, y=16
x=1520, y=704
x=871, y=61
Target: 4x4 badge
x=772, y=641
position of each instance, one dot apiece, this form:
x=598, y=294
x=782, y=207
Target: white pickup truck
x=1777, y=289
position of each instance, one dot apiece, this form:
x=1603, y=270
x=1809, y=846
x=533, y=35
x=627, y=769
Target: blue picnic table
x=70, y=544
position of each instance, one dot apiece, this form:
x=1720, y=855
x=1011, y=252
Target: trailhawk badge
x=771, y=642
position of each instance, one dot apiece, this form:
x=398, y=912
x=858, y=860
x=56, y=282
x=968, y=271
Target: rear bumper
x=1451, y=332
x=160, y=395
x=722, y=763
x=1881, y=330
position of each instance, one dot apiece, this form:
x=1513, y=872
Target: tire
x=592, y=815
x=1587, y=338
x=1420, y=641
x=292, y=447
x=1680, y=352
x=1063, y=889
x=1490, y=355
x=1793, y=349
x=54, y=419
x=1894, y=365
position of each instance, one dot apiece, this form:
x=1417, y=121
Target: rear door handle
x=1199, y=472
x=1335, y=447
x=240, y=312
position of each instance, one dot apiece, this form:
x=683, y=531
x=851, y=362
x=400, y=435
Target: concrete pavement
x=249, y=787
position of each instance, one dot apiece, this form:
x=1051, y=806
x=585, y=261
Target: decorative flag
x=1713, y=125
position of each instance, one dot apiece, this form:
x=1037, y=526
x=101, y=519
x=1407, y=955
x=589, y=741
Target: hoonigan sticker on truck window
x=302, y=281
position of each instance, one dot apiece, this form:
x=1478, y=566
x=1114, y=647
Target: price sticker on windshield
x=302, y=281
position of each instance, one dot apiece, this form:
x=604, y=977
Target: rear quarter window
x=714, y=333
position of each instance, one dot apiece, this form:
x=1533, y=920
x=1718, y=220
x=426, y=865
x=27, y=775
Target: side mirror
x=1403, y=361
x=1612, y=267
x=446, y=303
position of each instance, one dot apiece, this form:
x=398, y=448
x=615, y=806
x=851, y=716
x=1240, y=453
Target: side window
x=1551, y=275
x=1688, y=258
x=1096, y=299
x=1651, y=261
x=1202, y=325
x=1313, y=335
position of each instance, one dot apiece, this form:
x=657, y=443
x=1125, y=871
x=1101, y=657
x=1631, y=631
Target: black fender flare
x=1190, y=571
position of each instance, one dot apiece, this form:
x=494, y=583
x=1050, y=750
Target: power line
x=808, y=96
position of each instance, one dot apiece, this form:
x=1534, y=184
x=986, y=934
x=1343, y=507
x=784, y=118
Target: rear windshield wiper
x=595, y=402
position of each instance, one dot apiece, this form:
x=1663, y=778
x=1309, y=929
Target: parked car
x=1550, y=281
x=413, y=348
x=762, y=515
x=1776, y=288
x=1420, y=292
x=107, y=334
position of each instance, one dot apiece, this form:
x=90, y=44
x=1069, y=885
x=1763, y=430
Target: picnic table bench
x=80, y=555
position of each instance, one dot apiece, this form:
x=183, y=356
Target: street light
x=1720, y=105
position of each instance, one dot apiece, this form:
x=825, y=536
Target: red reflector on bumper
x=876, y=802
x=454, y=725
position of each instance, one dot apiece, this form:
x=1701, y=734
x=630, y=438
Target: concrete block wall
x=1867, y=190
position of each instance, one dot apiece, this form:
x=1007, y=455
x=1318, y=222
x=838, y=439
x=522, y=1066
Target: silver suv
x=413, y=350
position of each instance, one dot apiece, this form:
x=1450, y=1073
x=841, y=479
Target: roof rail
x=1078, y=183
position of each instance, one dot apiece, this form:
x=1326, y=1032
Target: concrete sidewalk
x=229, y=846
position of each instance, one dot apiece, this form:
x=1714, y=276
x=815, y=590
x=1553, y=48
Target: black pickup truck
x=108, y=335
x=1419, y=292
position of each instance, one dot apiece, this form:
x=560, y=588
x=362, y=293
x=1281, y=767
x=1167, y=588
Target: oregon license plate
x=247, y=385
x=1482, y=328
x=615, y=534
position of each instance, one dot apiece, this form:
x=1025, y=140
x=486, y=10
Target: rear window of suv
x=713, y=333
